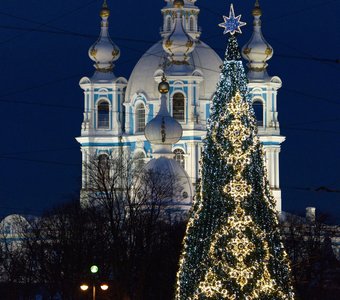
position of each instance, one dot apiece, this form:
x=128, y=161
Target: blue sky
x=43, y=55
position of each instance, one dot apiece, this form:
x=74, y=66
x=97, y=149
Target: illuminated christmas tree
x=232, y=248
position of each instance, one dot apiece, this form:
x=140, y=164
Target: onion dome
x=179, y=44
x=257, y=51
x=104, y=52
x=163, y=129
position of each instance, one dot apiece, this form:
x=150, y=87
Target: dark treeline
x=55, y=253
x=315, y=268
x=127, y=226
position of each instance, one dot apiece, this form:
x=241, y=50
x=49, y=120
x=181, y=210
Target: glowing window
x=179, y=157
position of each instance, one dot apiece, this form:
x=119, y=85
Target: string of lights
x=232, y=248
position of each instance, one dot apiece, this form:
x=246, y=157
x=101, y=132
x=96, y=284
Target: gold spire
x=105, y=12
x=178, y=3
x=257, y=12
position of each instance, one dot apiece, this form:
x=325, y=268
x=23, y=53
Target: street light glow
x=104, y=287
x=84, y=287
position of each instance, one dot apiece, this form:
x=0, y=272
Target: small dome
x=13, y=225
x=104, y=52
x=163, y=130
x=183, y=190
x=257, y=51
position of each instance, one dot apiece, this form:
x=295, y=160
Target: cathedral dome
x=203, y=58
x=183, y=191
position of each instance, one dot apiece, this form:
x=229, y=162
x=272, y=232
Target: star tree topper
x=232, y=24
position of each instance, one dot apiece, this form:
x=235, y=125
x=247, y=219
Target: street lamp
x=103, y=287
x=84, y=287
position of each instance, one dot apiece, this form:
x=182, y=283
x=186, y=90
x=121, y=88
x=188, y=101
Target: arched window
x=139, y=160
x=168, y=23
x=179, y=157
x=191, y=24
x=178, y=103
x=140, y=117
x=103, y=110
x=258, y=109
x=103, y=166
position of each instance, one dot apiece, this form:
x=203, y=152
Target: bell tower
x=103, y=122
x=190, y=14
x=263, y=90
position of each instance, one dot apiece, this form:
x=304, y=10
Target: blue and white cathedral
x=116, y=110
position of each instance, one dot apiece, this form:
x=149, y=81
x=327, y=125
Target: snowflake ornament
x=232, y=24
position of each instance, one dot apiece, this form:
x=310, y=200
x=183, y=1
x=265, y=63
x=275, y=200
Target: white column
x=190, y=100
x=114, y=110
x=277, y=170
x=92, y=108
x=191, y=162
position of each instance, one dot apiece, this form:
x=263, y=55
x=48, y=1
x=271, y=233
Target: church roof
x=203, y=59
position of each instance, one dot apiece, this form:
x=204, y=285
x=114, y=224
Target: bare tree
x=16, y=268
x=133, y=202
x=316, y=270
x=123, y=226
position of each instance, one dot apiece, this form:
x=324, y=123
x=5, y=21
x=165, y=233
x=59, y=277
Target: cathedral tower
x=263, y=89
x=190, y=17
x=103, y=99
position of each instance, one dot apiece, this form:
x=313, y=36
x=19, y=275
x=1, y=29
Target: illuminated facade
x=116, y=110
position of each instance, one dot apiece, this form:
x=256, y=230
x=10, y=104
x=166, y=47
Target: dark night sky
x=41, y=103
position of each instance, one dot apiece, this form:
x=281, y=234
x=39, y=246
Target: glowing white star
x=232, y=24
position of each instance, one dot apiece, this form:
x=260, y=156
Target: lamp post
x=84, y=287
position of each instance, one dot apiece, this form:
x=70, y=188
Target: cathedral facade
x=116, y=110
